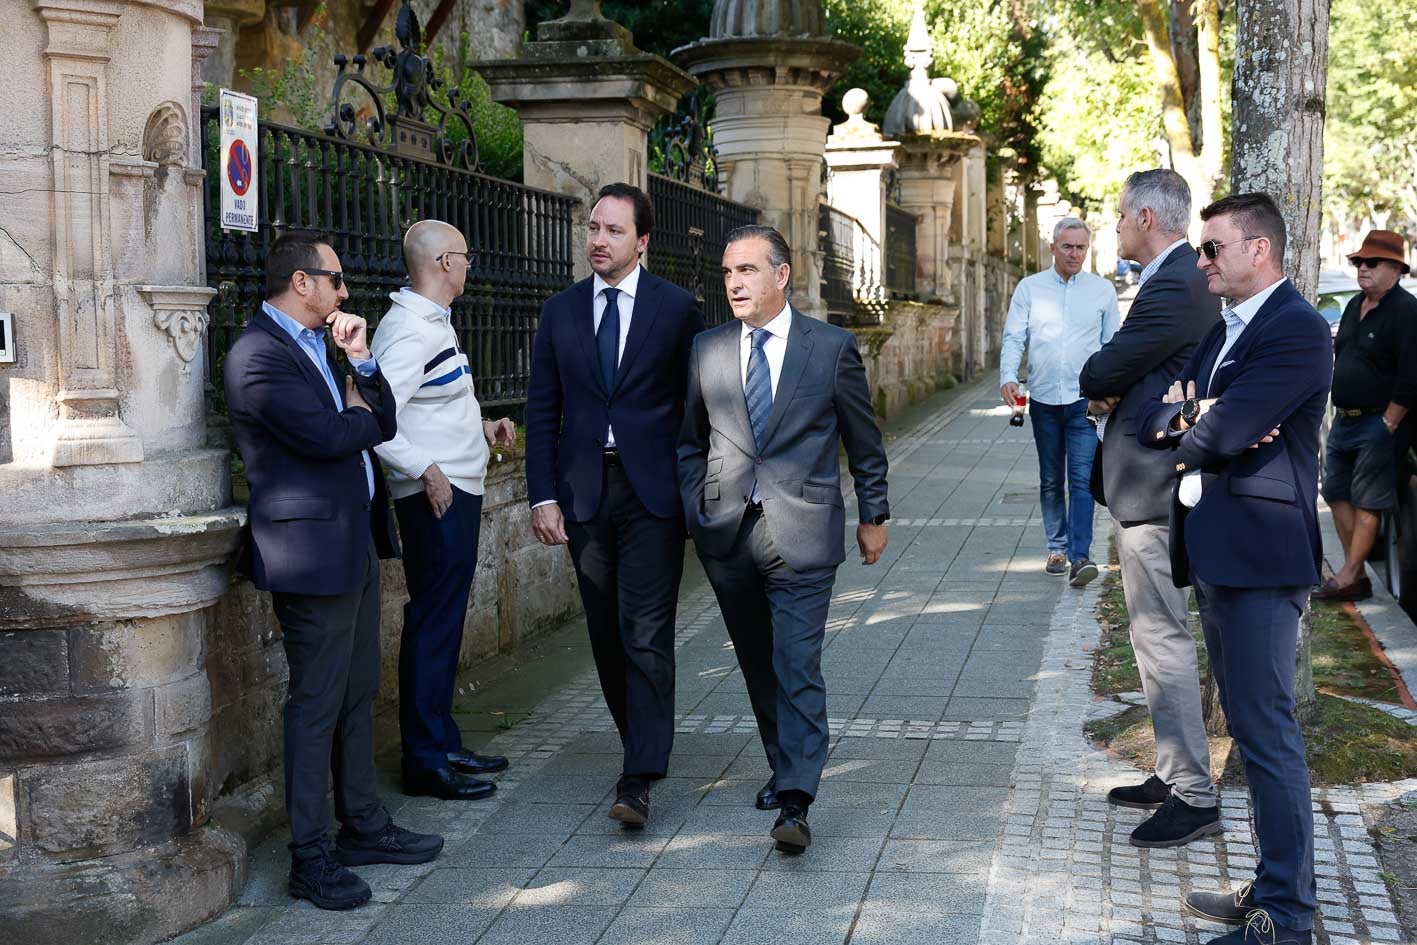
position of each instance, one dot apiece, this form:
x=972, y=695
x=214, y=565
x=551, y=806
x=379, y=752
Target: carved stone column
x=858, y=159
x=115, y=528
x=587, y=98
x=228, y=17
x=768, y=63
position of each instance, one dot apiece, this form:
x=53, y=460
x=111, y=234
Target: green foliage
x=292, y=94
x=497, y=127
x=996, y=51
x=1370, y=132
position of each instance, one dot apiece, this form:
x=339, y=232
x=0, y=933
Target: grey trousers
x=1166, y=659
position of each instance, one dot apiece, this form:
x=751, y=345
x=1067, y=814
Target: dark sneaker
x=1083, y=572
x=1057, y=564
x=1228, y=907
x=1177, y=824
x=393, y=844
x=631, y=805
x=1260, y=929
x=326, y=883
x=1149, y=795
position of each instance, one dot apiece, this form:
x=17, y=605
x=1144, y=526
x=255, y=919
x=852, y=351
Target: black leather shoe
x=447, y=784
x=1260, y=929
x=1228, y=907
x=1177, y=824
x=1149, y=795
x=470, y=762
x=393, y=844
x=1083, y=571
x=326, y=883
x=791, y=831
x=631, y=805
x=767, y=798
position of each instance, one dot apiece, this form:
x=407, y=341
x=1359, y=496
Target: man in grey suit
x=1170, y=315
x=769, y=399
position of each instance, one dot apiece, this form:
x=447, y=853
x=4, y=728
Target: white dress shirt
x=775, y=348
x=1237, y=319
x=626, y=302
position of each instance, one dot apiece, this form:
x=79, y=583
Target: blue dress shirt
x=1061, y=323
x=313, y=344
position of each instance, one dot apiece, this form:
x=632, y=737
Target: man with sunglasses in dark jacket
x=1374, y=385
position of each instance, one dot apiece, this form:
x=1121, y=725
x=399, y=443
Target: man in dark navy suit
x=602, y=418
x=1170, y=314
x=1242, y=424
x=319, y=522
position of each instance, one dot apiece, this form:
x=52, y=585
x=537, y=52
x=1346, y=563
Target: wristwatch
x=1191, y=411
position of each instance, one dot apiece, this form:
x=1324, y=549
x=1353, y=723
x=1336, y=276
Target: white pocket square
x=1226, y=363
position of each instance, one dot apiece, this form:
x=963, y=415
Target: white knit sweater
x=439, y=419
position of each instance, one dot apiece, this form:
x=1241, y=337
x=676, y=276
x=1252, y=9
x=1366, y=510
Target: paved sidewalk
x=932, y=825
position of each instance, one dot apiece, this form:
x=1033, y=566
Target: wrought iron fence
x=364, y=198
x=687, y=245
x=837, y=238
x=900, y=252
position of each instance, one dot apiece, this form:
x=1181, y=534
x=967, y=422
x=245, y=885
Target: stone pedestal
x=115, y=530
x=769, y=131
x=858, y=160
x=587, y=99
x=928, y=189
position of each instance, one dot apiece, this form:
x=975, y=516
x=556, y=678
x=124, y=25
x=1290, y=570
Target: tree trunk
x=1276, y=132
x=1208, y=59
x=1154, y=18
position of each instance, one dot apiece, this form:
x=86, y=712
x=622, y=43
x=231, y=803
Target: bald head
x=435, y=254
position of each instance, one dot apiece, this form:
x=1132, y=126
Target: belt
x=611, y=456
x=1358, y=411
x=755, y=507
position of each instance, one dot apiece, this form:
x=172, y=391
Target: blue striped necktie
x=607, y=338
x=757, y=390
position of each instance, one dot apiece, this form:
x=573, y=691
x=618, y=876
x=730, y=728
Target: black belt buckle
x=611, y=455
x=755, y=507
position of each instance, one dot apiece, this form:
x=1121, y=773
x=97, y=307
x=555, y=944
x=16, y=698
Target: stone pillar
x=768, y=65
x=115, y=530
x=228, y=17
x=587, y=99
x=859, y=160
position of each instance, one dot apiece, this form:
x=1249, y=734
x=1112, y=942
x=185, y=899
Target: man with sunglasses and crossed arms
x=1374, y=385
x=436, y=464
x=318, y=522
x=1242, y=424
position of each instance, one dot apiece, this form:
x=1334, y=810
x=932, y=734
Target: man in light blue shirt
x=1061, y=316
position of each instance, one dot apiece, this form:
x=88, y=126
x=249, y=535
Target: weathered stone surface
x=145, y=896
x=182, y=706
x=133, y=654
x=100, y=808
x=55, y=728
x=33, y=663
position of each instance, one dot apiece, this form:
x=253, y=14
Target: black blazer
x=1257, y=522
x=568, y=409
x=310, y=517
x=1169, y=316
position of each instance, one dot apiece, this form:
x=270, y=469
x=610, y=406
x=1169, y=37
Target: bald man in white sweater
x=435, y=464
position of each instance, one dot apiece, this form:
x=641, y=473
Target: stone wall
x=909, y=354
x=522, y=590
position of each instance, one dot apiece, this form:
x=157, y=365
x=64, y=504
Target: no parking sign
x=238, y=161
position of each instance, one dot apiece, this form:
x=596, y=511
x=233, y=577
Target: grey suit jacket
x=822, y=398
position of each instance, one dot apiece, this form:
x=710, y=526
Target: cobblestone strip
x=1065, y=872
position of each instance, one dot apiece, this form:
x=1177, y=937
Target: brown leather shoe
x=1360, y=589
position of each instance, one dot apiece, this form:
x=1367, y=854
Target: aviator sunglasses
x=1212, y=249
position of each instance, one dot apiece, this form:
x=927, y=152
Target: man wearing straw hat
x=1374, y=385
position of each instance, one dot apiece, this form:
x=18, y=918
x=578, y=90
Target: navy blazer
x=568, y=409
x=310, y=517
x=1169, y=316
x=1256, y=524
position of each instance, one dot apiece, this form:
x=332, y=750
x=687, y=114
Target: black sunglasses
x=1365, y=263
x=336, y=277
x=1211, y=248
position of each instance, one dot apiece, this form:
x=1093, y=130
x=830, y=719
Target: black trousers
x=332, y=646
x=628, y=565
x=439, y=563
x=777, y=618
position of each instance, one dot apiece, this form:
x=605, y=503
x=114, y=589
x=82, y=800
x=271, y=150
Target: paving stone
x=564, y=925
x=658, y=926
x=486, y=888
x=699, y=887
x=429, y=924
